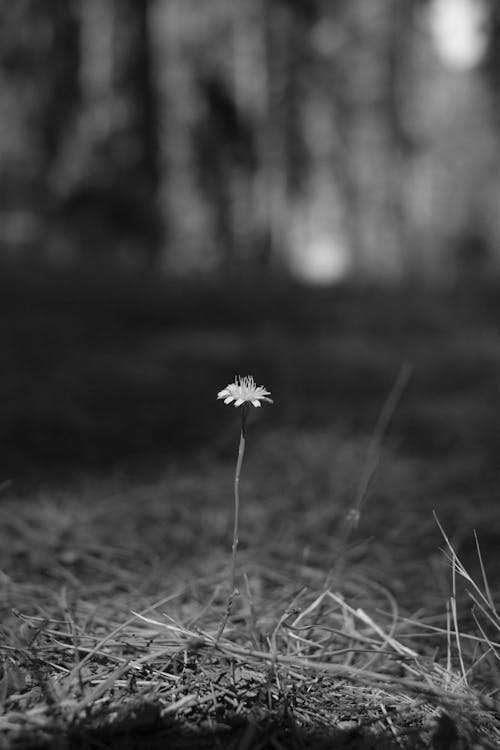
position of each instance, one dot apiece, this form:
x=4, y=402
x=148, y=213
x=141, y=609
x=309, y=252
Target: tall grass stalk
x=353, y=515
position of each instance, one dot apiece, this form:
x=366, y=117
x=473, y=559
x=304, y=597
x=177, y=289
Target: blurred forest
x=321, y=138
x=175, y=173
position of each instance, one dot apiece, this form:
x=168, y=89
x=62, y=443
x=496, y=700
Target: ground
x=116, y=510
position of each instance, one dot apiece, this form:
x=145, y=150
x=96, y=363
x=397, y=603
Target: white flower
x=243, y=391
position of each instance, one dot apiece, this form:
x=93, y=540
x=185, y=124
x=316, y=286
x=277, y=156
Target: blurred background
x=305, y=190
x=320, y=138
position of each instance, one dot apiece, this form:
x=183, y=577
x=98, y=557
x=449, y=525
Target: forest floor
x=115, y=573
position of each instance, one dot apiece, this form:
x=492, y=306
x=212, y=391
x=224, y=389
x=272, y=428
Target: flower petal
x=244, y=391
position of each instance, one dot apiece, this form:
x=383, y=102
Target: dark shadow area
x=122, y=370
x=144, y=729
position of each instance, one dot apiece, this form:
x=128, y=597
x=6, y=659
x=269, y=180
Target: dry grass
x=112, y=597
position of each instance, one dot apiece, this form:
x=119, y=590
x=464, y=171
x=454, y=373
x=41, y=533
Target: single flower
x=243, y=391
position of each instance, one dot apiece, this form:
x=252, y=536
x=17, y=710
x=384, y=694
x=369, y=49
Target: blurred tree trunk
x=281, y=154
x=372, y=83
x=403, y=144
x=59, y=80
x=491, y=63
x=273, y=149
x=39, y=58
x=148, y=125
x=138, y=79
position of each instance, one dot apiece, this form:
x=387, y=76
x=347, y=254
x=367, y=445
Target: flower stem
x=234, y=549
x=241, y=453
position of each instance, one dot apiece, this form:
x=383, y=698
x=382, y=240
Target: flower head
x=244, y=391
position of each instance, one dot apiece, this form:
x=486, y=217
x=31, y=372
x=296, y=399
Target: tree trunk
x=139, y=69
